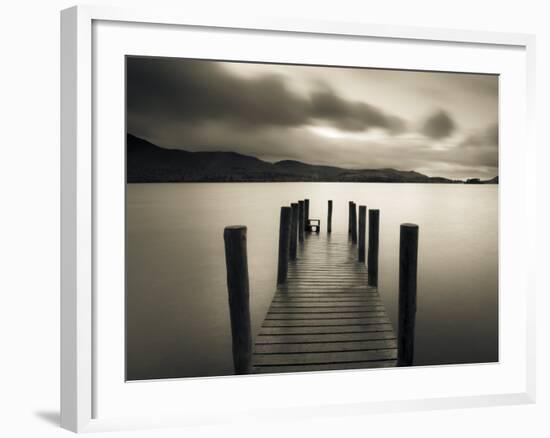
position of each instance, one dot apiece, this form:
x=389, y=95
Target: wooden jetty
x=325, y=316
x=326, y=312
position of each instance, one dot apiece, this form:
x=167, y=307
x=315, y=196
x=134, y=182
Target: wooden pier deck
x=325, y=316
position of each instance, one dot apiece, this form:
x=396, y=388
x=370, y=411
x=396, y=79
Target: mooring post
x=372, y=257
x=301, y=217
x=353, y=222
x=239, y=301
x=362, y=231
x=284, y=244
x=408, y=261
x=349, y=216
x=329, y=218
x=306, y=214
x=294, y=231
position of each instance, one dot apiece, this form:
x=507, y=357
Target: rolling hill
x=147, y=162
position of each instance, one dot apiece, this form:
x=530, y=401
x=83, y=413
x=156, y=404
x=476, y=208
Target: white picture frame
x=83, y=370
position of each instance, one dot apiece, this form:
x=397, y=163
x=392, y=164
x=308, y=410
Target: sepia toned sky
x=439, y=124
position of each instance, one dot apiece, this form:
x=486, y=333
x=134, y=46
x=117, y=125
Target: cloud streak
x=201, y=90
x=344, y=117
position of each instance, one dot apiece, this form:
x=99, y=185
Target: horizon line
x=303, y=162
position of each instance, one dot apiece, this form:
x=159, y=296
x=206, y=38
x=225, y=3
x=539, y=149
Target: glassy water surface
x=177, y=309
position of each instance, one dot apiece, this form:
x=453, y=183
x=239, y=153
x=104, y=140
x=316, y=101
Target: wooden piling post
x=350, y=203
x=239, y=302
x=294, y=231
x=408, y=261
x=329, y=218
x=353, y=222
x=362, y=231
x=284, y=244
x=301, y=219
x=372, y=257
x=306, y=214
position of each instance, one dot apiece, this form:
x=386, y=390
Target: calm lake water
x=177, y=309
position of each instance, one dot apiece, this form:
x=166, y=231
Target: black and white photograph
x=298, y=218
x=275, y=219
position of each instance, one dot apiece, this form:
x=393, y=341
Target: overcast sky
x=439, y=124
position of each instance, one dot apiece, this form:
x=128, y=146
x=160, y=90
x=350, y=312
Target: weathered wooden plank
x=325, y=358
x=344, y=271
x=309, y=304
x=358, y=282
x=296, y=267
x=292, y=300
x=341, y=260
x=325, y=285
x=311, y=311
x=328, y=295
x=325, y=347
x=323, y=367
x=368, y=301
x=325, y=267
x=313, y=276
x=300, y=287
x=341, y=322
x=305, y=310
x=324, y=330
x=334, y=307
x=280, y=306
x=355, y=277
x=332, y=262
x=317, y=291
x=328, y=300
x=335, y=295
x=337, y=262
x=299, y=304
x=327, y=290
x=313, y=316
x=324, y=281
x=324, y=278
x=324, y=338
x=347, y=273
x=320, y=314
x=348, y=268
x=338, y=293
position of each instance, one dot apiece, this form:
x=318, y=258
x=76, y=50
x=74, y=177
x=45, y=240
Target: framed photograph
x=253, y=209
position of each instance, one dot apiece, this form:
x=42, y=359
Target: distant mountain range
x=147, y=163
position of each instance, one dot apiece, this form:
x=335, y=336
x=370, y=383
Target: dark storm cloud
x=439, y=125
x=169, y=90
x=352, y=116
